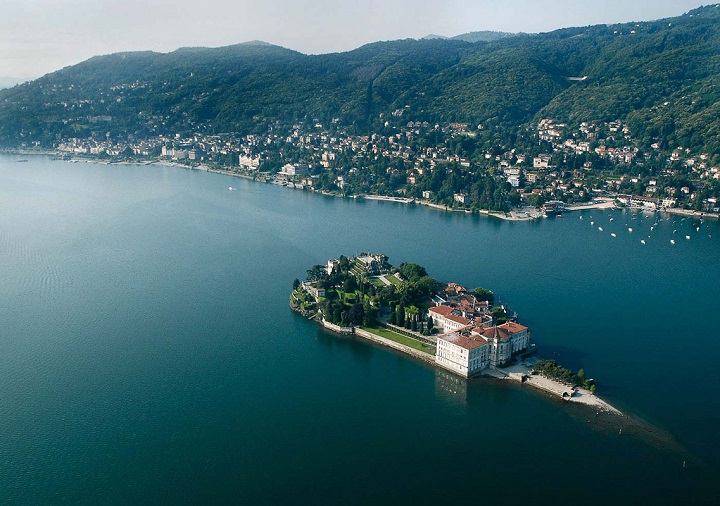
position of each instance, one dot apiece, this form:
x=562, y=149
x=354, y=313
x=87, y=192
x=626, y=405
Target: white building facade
x=444, y=318
x=470, y=350
x=463, y=353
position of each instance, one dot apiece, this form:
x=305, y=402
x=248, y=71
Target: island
x=445, y=324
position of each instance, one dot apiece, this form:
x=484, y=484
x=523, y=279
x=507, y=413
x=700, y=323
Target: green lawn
x=393, y=279
x=393, y=336
x=377, y=282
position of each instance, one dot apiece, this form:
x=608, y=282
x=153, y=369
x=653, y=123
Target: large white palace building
x=469, y=350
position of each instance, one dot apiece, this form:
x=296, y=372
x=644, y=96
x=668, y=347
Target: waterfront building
x=469, y=349
x=465, y=353
x=460, y=197
x=297, y=169
x=505, y=341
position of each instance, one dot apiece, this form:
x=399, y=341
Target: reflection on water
x=451, y=387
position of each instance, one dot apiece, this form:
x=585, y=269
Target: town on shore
x=458, y=329
x=551, y=168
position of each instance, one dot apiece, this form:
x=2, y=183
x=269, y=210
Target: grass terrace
x=393, y=279
x=377, y=282
x=393, y=336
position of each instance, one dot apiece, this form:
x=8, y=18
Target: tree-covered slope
x=660, y=77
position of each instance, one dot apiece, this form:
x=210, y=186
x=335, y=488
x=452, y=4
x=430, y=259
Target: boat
x=600, y=229
x=672, y=241
x=613, y=234
x=22, y=160
x=230, y=188
x=612, y=219
x=592, y=223
x=630, y=230
x=642, y=241
x=687, y=237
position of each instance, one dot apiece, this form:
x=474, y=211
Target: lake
x=148, y=353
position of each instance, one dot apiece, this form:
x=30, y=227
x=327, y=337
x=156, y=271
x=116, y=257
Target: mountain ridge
x=631, y=70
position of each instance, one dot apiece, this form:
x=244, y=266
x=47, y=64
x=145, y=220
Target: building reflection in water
x=451, y=387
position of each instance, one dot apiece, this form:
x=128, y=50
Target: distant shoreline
x=509, y=216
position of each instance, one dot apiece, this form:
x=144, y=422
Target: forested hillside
x=660, y=77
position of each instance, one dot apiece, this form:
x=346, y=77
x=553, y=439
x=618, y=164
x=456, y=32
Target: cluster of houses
x=469, y=341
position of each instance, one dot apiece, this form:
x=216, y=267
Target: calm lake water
x=148, y=354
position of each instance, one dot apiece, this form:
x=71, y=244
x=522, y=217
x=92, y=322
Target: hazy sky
x=40, y=36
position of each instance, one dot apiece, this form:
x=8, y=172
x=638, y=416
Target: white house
x=298, y=169
x=445, y=317
x=465, y=353
x=506, y=340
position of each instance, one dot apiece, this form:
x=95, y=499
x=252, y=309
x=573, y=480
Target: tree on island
x=430, y=323
x=350, y=285
x=411, y=272
x=484, y=294
x=337, y=315
x=499, y=315
x=296, y=284
x=369, y=314
x=356, y=314
x=316, y=272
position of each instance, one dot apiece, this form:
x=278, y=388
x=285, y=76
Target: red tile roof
x=504, y=331
x=447, y=312
x=441, y=310
x=495, y=333
x=513, y=327
x=466, y=342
